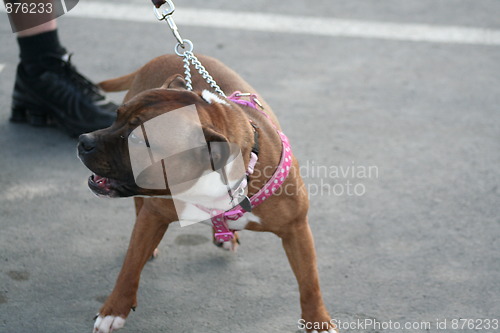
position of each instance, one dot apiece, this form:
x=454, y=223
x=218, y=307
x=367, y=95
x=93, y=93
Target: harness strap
x=219, y=218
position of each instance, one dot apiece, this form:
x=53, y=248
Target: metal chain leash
x=187, y=73
x=187, y=53
x=189, y=56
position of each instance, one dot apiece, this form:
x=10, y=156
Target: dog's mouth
x=104, y=186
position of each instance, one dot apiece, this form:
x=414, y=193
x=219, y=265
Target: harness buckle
x=246, y=204
x=256, y=100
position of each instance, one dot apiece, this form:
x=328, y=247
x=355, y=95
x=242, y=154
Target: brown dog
x=153, y=90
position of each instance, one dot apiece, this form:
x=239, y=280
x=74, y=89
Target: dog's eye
x=133, y=138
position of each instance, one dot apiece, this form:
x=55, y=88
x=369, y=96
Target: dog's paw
x=228, y=246
x=331, y=330
x=231, y=245
x=320, y=326
x=108, y=324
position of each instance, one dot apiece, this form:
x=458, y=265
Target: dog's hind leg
x=299, y=247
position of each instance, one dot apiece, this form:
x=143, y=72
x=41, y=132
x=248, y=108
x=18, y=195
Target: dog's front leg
x=148, y=231
x=299, y=247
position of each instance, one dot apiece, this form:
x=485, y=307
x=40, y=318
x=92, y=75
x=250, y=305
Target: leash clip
x=166, y=15
x=166, y=11
x=187, y=55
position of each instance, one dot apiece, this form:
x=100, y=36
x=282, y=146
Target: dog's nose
x=86, y=143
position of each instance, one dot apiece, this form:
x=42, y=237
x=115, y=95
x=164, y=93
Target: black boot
x=57, y=93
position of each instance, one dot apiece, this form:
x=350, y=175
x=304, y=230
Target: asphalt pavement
x=411, y=128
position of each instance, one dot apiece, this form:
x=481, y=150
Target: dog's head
x=130, y=158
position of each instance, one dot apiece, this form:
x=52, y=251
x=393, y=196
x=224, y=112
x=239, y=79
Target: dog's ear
x=176, y=82
x=218, y=148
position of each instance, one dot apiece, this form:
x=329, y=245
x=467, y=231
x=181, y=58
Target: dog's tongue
x=100, y=181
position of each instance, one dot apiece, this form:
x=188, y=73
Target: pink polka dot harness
x=219, y=218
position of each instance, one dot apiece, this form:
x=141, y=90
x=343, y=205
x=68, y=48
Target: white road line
x=291, y=24
x=2, y=66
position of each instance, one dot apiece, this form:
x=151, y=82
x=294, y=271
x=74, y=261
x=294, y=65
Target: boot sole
x=30, y=114
x=37, y=116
